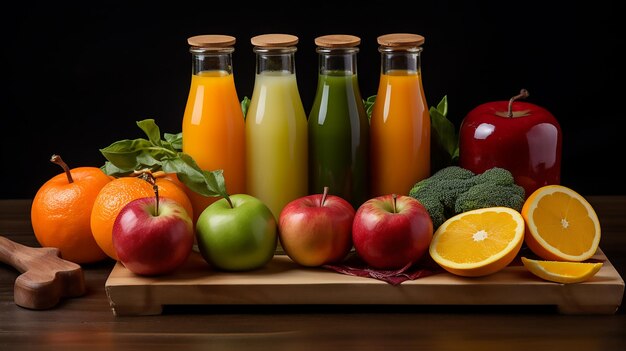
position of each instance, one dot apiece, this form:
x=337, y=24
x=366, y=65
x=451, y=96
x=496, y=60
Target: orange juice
x=400, y=124
x=213, y=123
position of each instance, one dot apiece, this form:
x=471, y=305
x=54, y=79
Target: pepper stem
x=59, y=161
x=522, y=95
x=324, y=196
x=394, y=197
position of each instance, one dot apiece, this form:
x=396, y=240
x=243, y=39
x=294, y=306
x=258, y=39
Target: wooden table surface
x=87, y=323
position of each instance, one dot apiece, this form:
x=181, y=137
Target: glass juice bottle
x=338, y=126
x=276, y=125
x=213, y=123
x=400, y=123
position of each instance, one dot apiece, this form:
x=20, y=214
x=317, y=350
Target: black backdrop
x=76, y=78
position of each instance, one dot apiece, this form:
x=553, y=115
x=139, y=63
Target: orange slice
x=478, y=242
x=560, y=224
x=562, y=272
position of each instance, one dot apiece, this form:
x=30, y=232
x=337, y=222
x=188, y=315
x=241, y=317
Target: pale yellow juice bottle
x=276, y=126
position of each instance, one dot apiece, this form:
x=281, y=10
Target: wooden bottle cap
x=337, y=41
x=211, y=41
x=274, y=40
x=400, y=39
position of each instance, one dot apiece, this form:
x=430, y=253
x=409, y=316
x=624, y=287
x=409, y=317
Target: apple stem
x=156, y=196
x=147, y=175
x=59, y=161
x=324, y=195
x=230, y=203
x=522, y=95
x=394, y=197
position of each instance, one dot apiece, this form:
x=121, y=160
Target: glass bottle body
x=213, y=124
x=338, y=129
x=400, y=125
x=276, y=132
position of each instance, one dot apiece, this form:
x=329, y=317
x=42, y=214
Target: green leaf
x=207, y=183
x=445, y=132
x=369, y=105
x=152, y=131
x=188, y=172
x=112, y=170
x=123, y=154
x=245, y=104
x=442, y=106
x=147, y=159
x=444, y=141
x=455, y=155
x=175, y=140
x=215, y=180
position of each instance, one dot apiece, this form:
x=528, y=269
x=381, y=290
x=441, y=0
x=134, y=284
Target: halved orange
x=562, y=272
x=478, y=242
x=560, y=224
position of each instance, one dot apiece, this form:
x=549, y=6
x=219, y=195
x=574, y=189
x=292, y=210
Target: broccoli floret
x=454, y=189
x=439, y=192
x=446, y=184
x=490, y=195
x=496, y=175
x=451, y=172
x=434, y=207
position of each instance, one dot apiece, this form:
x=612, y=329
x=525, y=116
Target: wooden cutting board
x=282, y=282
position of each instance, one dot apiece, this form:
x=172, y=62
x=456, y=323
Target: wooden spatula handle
x=46, y=277
x=21, y=257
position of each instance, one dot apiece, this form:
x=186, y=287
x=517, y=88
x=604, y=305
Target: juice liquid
x=214, y=132
x=276, y=141
x=399, y=134
x=339, y=139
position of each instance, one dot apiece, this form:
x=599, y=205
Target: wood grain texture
x=86, y=323
x=282, y=282
x=45, y=278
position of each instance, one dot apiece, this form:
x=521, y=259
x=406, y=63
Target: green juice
x=339, y=139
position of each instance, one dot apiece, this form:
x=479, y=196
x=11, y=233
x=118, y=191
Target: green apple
x=238, y=235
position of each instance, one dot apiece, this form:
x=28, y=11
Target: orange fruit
x=478, y=242
x=562, y=272
x=61, y=211
x=119, y=192
x=561, y=224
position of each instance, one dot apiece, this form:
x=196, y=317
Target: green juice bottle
x=338, y=127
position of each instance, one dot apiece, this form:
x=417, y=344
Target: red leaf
x=355, y=266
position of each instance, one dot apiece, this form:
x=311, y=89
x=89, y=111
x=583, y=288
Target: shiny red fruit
x=527, y=143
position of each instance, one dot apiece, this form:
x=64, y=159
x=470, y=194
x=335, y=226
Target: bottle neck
x=275, y=60
x=212, y=60
x=337, y=61
x=402, y=61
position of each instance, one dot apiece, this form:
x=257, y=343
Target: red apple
x=519, y=136
x=316, y=229
x=390, y=232
x=152, y=239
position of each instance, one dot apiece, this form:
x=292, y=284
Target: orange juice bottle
x=400, y=123
x=213, y=125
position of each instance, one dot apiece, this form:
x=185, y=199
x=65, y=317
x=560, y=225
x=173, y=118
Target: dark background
x=75, y=78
